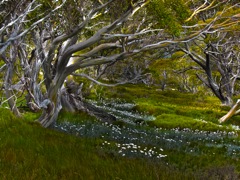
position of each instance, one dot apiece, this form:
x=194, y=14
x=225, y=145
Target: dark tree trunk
x=216, y=89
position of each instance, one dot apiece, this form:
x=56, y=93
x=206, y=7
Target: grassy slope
x=173, y=109
x=29, y=151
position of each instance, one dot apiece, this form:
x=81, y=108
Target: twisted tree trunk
x=69, y=99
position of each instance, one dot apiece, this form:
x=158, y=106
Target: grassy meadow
x=184, y=141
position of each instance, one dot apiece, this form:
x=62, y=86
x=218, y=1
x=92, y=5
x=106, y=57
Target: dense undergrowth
x=190, y=144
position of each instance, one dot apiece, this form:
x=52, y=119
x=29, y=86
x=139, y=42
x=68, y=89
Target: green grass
x=173, y=109
x=170, y=121
x=29, y=151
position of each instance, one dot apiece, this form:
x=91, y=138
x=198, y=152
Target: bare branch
x=100, y=48
x=17, y=36
x=203, y=7
x=107, y=85
x=108, y=36
x=96, y=37
x=73, y=32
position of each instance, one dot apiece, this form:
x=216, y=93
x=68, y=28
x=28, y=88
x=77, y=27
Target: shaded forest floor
x=181, y=140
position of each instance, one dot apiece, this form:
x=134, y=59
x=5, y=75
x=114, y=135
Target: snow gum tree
x=216, y=51
x=43, y=43
x=17, y=22
x=94, y=33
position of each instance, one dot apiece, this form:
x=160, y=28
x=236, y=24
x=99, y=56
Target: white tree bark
x=230, y=113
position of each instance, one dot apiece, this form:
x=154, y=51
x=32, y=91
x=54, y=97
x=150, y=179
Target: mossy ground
x=173, y=109
x=29, y=151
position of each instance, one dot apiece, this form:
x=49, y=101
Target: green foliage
x=179, y=9
x=175, y=72
x=169, y=14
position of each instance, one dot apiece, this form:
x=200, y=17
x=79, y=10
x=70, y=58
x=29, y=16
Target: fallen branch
x=232, y=112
